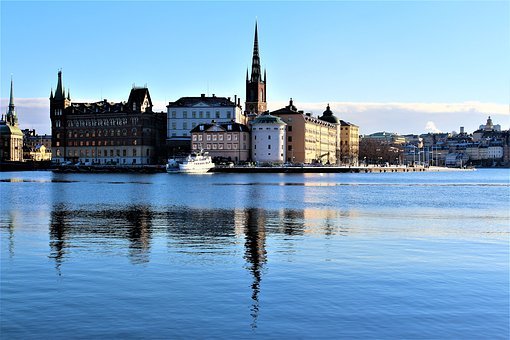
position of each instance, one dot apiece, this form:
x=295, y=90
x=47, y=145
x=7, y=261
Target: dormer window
x=134, y=106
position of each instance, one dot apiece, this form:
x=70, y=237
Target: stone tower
x=58, y=104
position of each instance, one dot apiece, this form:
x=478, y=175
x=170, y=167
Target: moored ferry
x=199, y=162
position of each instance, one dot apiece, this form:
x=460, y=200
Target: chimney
x=235, y=99
x=228, y=98
x=238, y=101
x=213, y=95
x=202, y=95
x=461, y=129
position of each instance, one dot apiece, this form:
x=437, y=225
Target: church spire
x=11, y=99
x=11, y=117
x=255, y=64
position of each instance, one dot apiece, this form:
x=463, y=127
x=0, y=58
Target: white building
x=268, y=136
x=186, y=113
x=495, y=151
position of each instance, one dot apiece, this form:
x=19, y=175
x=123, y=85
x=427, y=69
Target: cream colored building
x=229, y=140
x=268, y=139
x=349, y=143
x=309, y=139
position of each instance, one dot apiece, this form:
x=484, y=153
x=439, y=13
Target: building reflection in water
x=11, y=222
x=72, y=228
x=59, y=221
x=193, y=231
x=255, y=253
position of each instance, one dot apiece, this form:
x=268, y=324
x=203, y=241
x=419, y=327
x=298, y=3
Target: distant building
x=386, y=137
x=309, y=139
x=187, y=113
x=31, y=139
x=125, y=133
x=256, y=101
x=456, y=159
x=228, y=140
x=268, y=139
x=39, y=153
x=32, y=143
x=489, y=126
x=414, y=140
x=11, y=137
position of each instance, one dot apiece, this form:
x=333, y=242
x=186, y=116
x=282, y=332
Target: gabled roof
x=138, y=94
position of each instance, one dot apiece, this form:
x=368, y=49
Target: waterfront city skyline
x=401, y=67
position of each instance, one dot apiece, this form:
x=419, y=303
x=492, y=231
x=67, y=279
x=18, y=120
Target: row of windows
x=101, y=122
x=217, y=114
x=268, y=128
x=269, y=147
x=217, y=137
x=106, y=153
x=215, y=146
x=99, y=143
x=100, y=133
x=269, y=154
x=269, y=137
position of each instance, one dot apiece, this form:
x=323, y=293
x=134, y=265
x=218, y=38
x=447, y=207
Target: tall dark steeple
x=59, y=92
x=255, y=85
x=255, y=61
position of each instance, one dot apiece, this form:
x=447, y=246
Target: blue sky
x=393, y=66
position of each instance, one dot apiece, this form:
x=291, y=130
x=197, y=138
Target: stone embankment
x=329, y=169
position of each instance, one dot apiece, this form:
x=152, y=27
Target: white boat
x=173, y=164
x=197, y=163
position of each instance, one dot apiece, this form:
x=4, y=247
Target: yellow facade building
x=349, y=144
x=310, y=139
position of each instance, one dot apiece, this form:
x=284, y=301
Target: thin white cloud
x=402, y=118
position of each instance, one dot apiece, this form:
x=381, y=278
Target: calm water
x=414, y=255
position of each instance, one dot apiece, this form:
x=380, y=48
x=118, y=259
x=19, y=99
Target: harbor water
x=391, y=255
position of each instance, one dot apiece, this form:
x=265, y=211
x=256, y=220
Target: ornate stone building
x=11, y=137
x=125, y=133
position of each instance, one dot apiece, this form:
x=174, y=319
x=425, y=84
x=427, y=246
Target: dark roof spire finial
x=255, y=64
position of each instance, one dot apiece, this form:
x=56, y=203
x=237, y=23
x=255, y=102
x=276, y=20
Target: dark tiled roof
x=209, y=101
x=137, y=95
x=99, y=107
x=289, y=109
x=268, y=119
x=227, y=126
x=329, y=117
